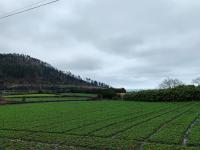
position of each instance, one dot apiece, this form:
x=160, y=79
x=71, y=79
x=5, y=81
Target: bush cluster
x=181, y=93
x=107, y=93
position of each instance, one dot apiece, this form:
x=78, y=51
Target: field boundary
x=90, y=147
x=42, y=101
x=47, y=143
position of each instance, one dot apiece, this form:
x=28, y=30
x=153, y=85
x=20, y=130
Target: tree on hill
x=196, y=81
x=170, y=83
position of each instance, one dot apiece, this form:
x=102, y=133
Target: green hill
x=16, y=69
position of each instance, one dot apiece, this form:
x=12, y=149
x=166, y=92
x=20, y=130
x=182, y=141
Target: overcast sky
x=125, y=43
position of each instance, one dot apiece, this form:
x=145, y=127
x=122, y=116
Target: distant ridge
x=17, y=69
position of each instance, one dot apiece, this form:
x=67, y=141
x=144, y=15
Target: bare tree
x=170, y=83
x=196, y=81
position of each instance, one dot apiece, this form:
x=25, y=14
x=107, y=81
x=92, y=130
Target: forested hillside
x=22, y=69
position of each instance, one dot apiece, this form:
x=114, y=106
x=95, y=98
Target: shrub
x=24, y=99
x=107, y=93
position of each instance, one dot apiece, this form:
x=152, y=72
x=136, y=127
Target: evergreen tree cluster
x=23, y=69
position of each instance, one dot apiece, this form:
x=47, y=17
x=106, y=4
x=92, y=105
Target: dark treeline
x=57, y=89
x=16, y=69
x=176, y=94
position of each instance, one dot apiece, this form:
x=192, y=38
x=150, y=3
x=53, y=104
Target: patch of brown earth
x=3, y=101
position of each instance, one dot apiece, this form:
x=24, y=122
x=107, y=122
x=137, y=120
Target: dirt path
x=189, y=129
x=140, y=144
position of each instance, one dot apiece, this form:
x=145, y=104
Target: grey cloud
x=130, y=43
x=82, y=64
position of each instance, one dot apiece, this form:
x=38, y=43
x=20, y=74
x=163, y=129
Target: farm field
x=84, y=125
x=50, y=97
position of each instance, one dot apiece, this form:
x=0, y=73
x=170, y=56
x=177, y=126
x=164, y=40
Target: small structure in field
x=121, y=95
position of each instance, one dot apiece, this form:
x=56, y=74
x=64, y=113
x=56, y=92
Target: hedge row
x=59, y=89
x=181, y=93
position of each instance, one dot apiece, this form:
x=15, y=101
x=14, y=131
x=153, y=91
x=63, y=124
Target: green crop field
x=50, y=97
x=101, y=125
x=29, y=95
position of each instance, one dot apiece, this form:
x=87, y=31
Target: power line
x=16, y=12
x=13, y=13
x=25, y=7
